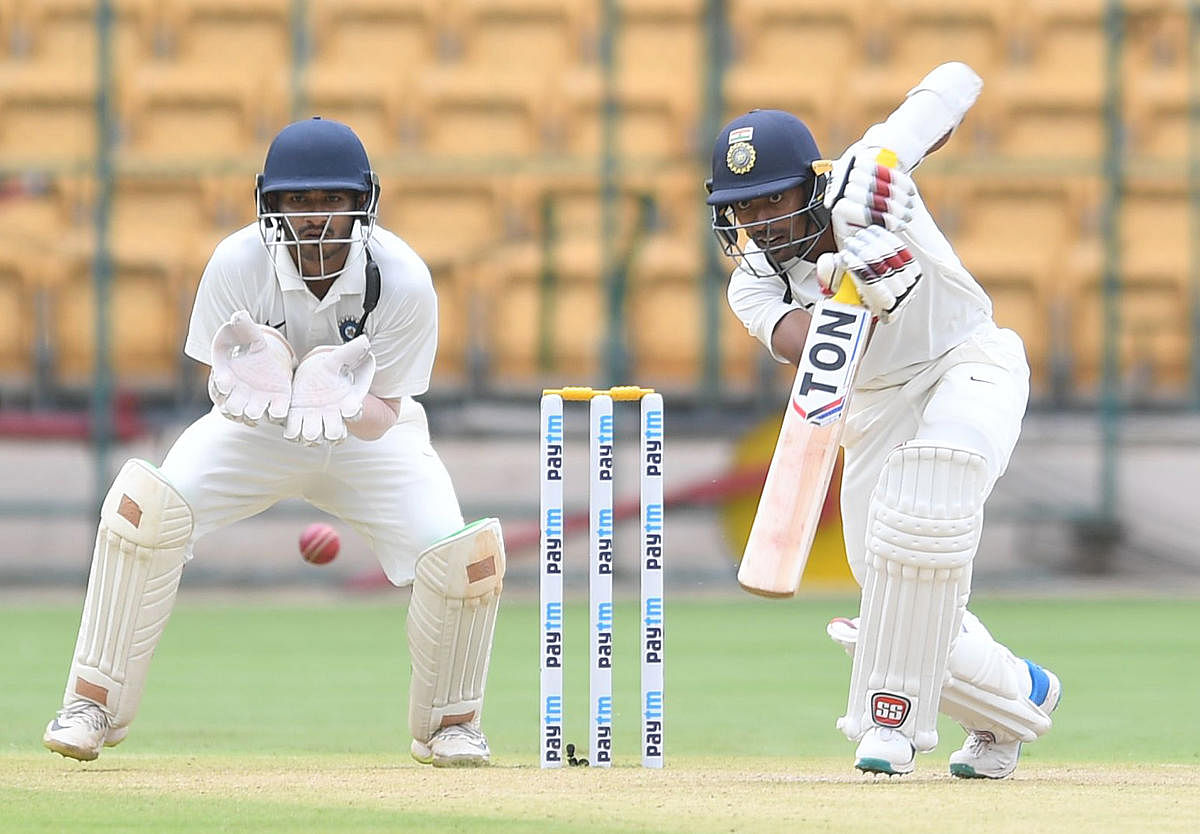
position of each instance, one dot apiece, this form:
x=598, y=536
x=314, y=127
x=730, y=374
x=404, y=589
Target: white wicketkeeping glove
x=883, y=270
x=871, y=195
x=251, y=373
x=329, y=388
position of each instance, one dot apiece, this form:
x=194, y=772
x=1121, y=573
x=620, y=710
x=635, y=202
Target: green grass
x=292, y=717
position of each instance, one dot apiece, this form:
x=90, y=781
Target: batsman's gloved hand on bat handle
x=863, y=192
x=882, y=267
x=330, y=386
x=251, y=376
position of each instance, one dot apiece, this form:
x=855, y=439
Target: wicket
x=600, y=556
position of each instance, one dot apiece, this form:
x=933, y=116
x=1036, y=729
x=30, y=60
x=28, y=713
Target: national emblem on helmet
x=761, y=154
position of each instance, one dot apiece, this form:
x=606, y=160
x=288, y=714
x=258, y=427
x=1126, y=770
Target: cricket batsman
x=319, y=328
x=933, y=417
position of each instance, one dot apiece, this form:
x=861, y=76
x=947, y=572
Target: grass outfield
x=273, y=717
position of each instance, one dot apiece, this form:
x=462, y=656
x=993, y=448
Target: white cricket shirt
x=947, y=306
x=402, y=328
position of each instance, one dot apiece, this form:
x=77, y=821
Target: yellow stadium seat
x=59, y=37
x=371, y=105
x=665, y=313
x=1157, y=74
x=541, y=36
x=477, y=112
x=444, y=218
x=238, y=37
x=45, y=125
x=176, y=113
x=146, y=321
x=652, y=123
x=381, y=40
x=18, y=338
x=162, y=217
x=459, y=312
x=1155, y=231
x=660, y=43
x=545, y=321
x=1051, y=100
x=1153, y=341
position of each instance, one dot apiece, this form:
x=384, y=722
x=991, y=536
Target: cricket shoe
x=982, y=756
x=884, y=750
x=459, y=745
x=80, y=731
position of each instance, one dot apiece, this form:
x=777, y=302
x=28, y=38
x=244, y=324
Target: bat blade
x=798, y=479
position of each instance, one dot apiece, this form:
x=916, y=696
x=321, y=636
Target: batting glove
x=882, y=267
x=330, y=385
x=251, y=374
x=868, y=194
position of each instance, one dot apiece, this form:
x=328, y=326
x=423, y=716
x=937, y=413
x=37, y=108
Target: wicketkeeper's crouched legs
x=451, y=620
x=141, y=546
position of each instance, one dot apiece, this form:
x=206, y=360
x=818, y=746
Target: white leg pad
x=141, y=545
x=451, y=619
x=987, y=688
x=922, y=532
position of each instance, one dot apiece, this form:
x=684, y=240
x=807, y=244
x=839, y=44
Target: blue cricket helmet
x=313, y=154
x=316, y=155
x=758, y=154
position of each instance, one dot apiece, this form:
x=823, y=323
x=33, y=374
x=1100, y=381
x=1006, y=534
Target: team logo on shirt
x=740, y=157
x=348, y=328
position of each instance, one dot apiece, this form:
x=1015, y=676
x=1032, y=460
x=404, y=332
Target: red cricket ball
x=319, y=544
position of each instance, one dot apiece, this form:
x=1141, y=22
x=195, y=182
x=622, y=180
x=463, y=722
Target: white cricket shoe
x=459, y=745
x=884, y=750
x=983, y=757
x=80, y=731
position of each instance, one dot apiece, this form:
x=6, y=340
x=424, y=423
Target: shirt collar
x=352, y=281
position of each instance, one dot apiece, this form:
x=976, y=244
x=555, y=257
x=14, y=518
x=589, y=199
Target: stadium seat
x=477, y=112
x=659, y=43
x=446, y=219
x=147, y=316
x=371, y=104
x=247, y=37
x=18, y=339
x=1051, y=101
x=1155, y=230
x=44, y=125
x=653, y=124
x=1156, y=73
x=167, y=217
x=373, y=41
x=537, y=36
x=176, y=113
x=666, y=315
x=1154, y=341
x=545, y=321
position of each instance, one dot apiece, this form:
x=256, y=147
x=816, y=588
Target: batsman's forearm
x=928, y=114
x=377, y=417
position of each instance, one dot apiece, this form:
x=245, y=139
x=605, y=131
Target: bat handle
x=847, y=292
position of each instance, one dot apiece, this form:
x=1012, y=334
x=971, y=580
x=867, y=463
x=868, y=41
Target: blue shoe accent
x=1041, y=683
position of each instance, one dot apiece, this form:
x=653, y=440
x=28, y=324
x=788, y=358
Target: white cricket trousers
x=395, y=491
x=973, y=397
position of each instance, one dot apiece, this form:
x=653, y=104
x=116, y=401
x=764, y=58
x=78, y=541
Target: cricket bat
x=794, y=492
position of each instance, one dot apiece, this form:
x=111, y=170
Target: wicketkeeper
x=319, y=328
